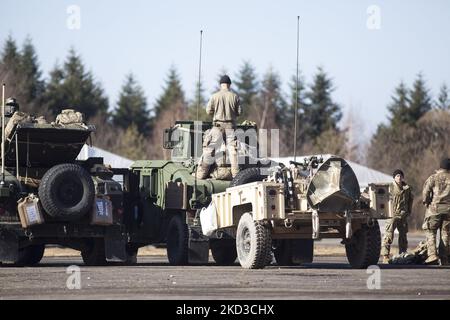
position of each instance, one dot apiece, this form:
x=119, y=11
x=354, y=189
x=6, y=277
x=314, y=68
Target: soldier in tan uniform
x=436, y=197
x=402, y=200
x=225, y=107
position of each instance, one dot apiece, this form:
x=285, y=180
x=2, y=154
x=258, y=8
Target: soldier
x=11, y=106
x=225, y=107
x=402, y=200
x=436, y=197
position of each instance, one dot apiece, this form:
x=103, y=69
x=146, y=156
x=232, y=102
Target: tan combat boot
x=386, y=259
x=432, y=259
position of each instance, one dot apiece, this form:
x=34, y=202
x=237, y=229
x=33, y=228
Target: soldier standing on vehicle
x=402, y=200
x=436, y=197
x=225, y=107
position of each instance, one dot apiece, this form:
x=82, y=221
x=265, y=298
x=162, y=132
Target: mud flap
x=198, y=248
x=302, y=250
x=9, y=247
x=115, y=246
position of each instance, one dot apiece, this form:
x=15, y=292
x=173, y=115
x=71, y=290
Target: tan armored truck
x=294, y=206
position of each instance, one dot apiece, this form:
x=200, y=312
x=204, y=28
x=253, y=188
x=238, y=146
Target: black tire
x=290, y=252
x=177, y=241
x=67, y=192
x=253, y=243
x=246, y=176
x=223, y=251
x=364, y=247
x=93, y=253
x=30, y=255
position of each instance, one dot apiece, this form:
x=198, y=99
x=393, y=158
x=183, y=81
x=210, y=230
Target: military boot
x=432, y=260
x=431, y=247
x=386, y=259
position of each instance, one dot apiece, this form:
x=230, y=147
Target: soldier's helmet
x=11, y=106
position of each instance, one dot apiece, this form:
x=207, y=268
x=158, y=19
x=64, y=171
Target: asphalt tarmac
x=154, y=278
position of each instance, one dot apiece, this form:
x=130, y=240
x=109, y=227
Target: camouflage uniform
x=436, y=195
x=225, y=106
x=402, y=199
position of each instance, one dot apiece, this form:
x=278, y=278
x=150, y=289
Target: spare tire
x=246, y=176
x=67, y=191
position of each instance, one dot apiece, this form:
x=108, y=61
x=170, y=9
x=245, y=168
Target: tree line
x=414, y=138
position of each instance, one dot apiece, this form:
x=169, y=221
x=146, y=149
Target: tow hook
x=288, y=223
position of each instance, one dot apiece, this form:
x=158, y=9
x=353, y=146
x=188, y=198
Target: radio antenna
x=196, y=122
x=296, y=93
x=3, y=135
x=199, y=73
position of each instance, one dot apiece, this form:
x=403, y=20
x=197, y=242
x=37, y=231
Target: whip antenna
x=296, y=93
x=199, y=73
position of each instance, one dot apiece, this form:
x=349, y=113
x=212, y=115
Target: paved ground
x=153, y=278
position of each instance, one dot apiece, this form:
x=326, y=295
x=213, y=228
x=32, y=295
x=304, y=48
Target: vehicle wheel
x=30, y=255
x=253, y=243
x=94, y=253
x=177, y=241
x=67, y=191
x=246, y=176
x=223, y=251
x=290, y=252
x=364, y=247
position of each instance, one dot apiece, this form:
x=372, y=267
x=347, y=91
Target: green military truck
x=48, y=197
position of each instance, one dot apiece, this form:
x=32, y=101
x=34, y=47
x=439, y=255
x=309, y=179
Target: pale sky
x=147, y=37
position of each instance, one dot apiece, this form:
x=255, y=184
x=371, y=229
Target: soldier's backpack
x=70, y=116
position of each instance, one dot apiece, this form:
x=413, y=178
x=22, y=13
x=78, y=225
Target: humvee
x=49, y=197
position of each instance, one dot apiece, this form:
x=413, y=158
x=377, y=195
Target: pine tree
x=132, y=107
x=172, y=93
x=272, y=101
x=199, y=101
x=287, y=115
x=31, y=83
x=420, y=102
x=21, y=73
x=247, y=88
x=73, y=87
x=10, y=54
x=322, y=113
x=443, y=101
x=399, y=106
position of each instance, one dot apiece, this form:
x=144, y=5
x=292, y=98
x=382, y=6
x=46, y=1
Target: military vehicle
x=280, y=209
x=287, y=211
x=48, y=197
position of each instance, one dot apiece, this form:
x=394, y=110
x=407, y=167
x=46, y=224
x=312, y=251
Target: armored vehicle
x=48, y=197
x=292, y=207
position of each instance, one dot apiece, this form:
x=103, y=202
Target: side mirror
x=167, y=139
